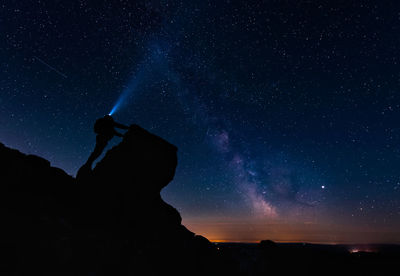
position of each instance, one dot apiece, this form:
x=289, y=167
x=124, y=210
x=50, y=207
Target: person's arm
x=121, y=126
x=116, y=133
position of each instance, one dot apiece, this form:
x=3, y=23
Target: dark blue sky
x=285, y=113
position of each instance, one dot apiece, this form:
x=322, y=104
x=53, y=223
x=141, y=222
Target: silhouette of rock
x=108, y=221
x=268, y=245
x=122, y=198
x=37, y=202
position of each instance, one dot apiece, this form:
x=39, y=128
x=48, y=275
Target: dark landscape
x=108, y=221
x=269, y=258
x=112, y=220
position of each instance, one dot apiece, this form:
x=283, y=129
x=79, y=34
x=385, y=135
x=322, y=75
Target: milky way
x=285, y=114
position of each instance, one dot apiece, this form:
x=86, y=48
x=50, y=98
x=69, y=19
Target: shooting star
x=49, y=66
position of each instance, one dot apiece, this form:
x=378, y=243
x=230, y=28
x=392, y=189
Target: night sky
x=285, y=113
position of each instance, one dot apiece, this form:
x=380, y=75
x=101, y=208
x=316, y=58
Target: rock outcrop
x=108, y=221
x=37, y=205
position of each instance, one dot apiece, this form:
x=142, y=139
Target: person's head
x=109, y=118
x=104, y=125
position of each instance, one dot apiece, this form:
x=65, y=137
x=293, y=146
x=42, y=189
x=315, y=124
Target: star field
x=285, y=113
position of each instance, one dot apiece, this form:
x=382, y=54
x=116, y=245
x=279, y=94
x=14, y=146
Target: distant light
x=361, y=250
x=323, y=187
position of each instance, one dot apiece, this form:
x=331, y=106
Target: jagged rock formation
x=108, y=221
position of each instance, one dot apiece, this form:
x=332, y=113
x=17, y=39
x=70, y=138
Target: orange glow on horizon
x=219, y=230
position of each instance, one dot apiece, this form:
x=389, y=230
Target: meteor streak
x=49, y=66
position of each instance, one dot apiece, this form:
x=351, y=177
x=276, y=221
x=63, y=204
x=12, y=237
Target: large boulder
x=121, y=199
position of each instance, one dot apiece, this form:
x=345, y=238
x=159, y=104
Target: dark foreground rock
x=108, y=221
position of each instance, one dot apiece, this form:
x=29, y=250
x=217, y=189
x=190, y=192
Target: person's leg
x=101, y=143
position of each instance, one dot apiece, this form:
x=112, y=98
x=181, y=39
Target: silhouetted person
x=105, y=130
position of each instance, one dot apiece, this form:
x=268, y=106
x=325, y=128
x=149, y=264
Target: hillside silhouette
x=107, y=221
x=112, y=221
